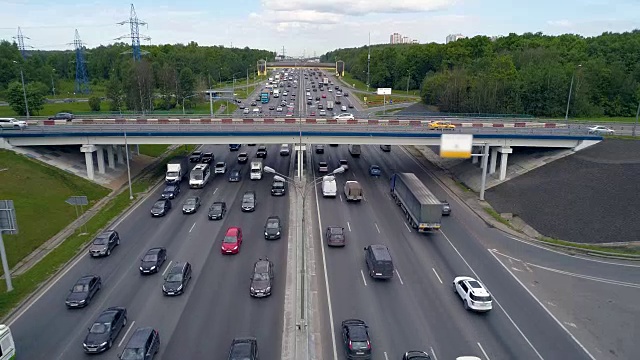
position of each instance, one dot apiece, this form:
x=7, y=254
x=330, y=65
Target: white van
x=329, y=187
x=199, y=176
x=284, y=150
x=256, y=170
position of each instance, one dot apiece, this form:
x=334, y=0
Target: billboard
x=384, y=91
x=262, y=67
x=340, y=68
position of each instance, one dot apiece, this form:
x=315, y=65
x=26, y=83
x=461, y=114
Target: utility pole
x=408, y=79
x=636, y=123
x=368, y=61
x=566, y=115
x=53, y=86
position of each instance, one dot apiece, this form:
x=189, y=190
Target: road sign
x=8, y=221
x=457, y=146
x=77, y=200
x=384, y=91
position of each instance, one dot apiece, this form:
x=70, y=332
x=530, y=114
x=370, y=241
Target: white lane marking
x=214, y=191
x=341, y=198
x=494, y=298
x=349, y=226
x=326, y=280
x=542, y=305
x=127, y=333
x=76, y=261
x=408, y=228
x=438, y=276
x=377, y=228
x=354, y=175
x=593, y=278
x=192, y=226
x=483, y=352
x=516, y=269
x=399, y=277
x=363, y=279
x=167, y=268
x=385, y=356
x=433, y=352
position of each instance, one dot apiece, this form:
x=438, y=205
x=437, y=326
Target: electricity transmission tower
x=82, y=79
x=134, y=24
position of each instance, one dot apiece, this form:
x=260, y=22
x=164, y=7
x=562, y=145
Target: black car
x=338, y=102
x=272, y=228
x=152, y=261
x=244, y=348
x=83, y=291
x=309, y=102
x=234, y=147
x=320, y=149
x=195, y=156
x=243, y=158
x=254, y=103
x=350, y=106
x=161, y=208
x=217, y=210
x=385, y=148
x=262, y=278
x=262, y=152
x=335, y=236
x=317, y=98
x=272, y=107
x=105, y=330
x=446, y=208
x=345, y=94
x=177, y=279
x=207, y=157
x=62, y=116
x=191, y=205
x=416, y=355
x=249, y=201
x=355, y=335
x=104, y=243
x=235, y=175
x=143, y=345
x=278, y=187
x=170, y=192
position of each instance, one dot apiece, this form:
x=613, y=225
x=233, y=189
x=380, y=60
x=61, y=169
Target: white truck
x=325, y=81
x=276, y=93
x=329, y=105
x=177, y=169
x=256, y=169
x=199, y=176
x=329, y=187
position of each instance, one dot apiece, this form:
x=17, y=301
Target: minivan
x=284, y=150
x=143, y=345
x=379, y=261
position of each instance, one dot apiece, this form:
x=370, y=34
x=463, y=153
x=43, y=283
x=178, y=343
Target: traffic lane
x=220, y=306
x=598, y=313
x=538, y=327
x=411, y=251
x=53, y=327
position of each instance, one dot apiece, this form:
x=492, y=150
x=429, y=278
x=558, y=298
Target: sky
x=304, y=27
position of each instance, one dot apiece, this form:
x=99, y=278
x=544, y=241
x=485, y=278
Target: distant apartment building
x=454, y=37
x=397, y=38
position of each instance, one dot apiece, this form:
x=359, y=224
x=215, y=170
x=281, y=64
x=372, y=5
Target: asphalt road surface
x=417, y=309
x=216, y=306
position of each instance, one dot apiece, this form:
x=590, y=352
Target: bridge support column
x=100, y=154
x=120, y=153
x=504, y=151
x=474, y=159
x=110, y=157
x=137, y=149
x=493, y=158
x=88, y=151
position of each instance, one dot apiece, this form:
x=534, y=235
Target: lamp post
x=53, y=86
x=186, y=97
x=408, y=79
x=24, y=90
x=566, y=115
x=635, y=124
x=126, y=148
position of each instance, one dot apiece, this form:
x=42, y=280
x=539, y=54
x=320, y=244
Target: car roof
x=249, y=192
x=108, y=314
x=85, y=279
x=261, y=266
x=154, y=250
x=357, y=329
x=232, y=231
x=381, y=252
x=177, y=267
x=219, y=202
x=139, y=337
x=220, y=163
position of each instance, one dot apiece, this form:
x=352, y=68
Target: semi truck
x=325, y=81
x=177, y=169
x=264, y=96
x=354, y=150
x=422, y=209
x=329, y=105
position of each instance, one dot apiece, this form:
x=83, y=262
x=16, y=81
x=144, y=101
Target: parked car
x=83, y=291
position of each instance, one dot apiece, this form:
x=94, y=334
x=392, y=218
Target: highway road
x=216, y=306
x=417, y=309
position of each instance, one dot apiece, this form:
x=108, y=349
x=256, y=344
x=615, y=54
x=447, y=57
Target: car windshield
x=172, y=173
x=174, y=277
x=278, y=185
x=100, y=328
x=101, y=241
x=197, y=174
x=220, y=165
x=343, y=162
x=260, y=276
x=190, y=201
x=247, y=199
x=272, y=224
x=81, y=288
x=150, y=257
x=158, y=205
x=359, y=345
x=132, y=354
x=230, y=240
x=216, y=207
x=169, y=188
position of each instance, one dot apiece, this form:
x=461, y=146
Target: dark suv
x=143, y=345
x=104, y=243
x=207, y=157
x=262, y=278
x=177, y=279
x=262, y=152
x=355, y=335
x=244, y=348
x=195, y=156
x=105, y=330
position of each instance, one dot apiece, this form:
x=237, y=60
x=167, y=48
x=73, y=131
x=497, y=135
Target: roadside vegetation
x=29, y=281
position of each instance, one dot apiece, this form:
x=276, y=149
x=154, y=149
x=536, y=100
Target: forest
x=165, y=76
x=515, y=74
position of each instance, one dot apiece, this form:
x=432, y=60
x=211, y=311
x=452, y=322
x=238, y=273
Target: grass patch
x=621, y=250
x=378, y=100
x=359, y=85
x=602, y=119
x=463, y=186
x=153, y=150
x=497, y=216
x=26, y=283
x=53, y=108
x=39, y=192
x=388, y=112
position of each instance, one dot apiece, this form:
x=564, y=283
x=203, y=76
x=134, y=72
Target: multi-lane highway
x=216, y=306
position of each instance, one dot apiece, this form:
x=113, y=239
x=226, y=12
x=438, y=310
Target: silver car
x=11, y=123
x=104, y=243
x=191, y=205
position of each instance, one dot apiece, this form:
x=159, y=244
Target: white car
x=330, y=90
x=322, y=113
x=343, y=108
x=256, y=110
x=11, y=123
x=245, y=111
x=600, y=130
x=345, y=116
x=473, y=294
x=221, y=167
x=279, y=109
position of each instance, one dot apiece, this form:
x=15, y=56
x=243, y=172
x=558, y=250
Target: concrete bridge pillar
x=493, y=160
x=504, y=151
x=100, y=154
x=121, y=154
x=110, y=157
x=88, y=151
x=474, y=159
x=137, y=149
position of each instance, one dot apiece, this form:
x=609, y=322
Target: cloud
x=560, y=23
x=298, y=16
x=358, y=7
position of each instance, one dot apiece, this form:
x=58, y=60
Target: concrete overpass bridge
x=96, y=140
x=300, y=65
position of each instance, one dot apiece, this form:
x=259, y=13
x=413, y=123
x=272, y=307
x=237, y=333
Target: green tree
x=35, y=97
x=186, y=83
x=94, y=103
x=115, y=94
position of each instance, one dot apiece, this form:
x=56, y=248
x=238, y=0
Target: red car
x=232, y=241
x=324, y=96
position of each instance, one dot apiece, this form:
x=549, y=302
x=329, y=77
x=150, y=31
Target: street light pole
x=24, y=90
x=126, y=148
x=53, y=86
x=636, y=123
x=408, y=79
x=566, y=115
x=368, y=61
